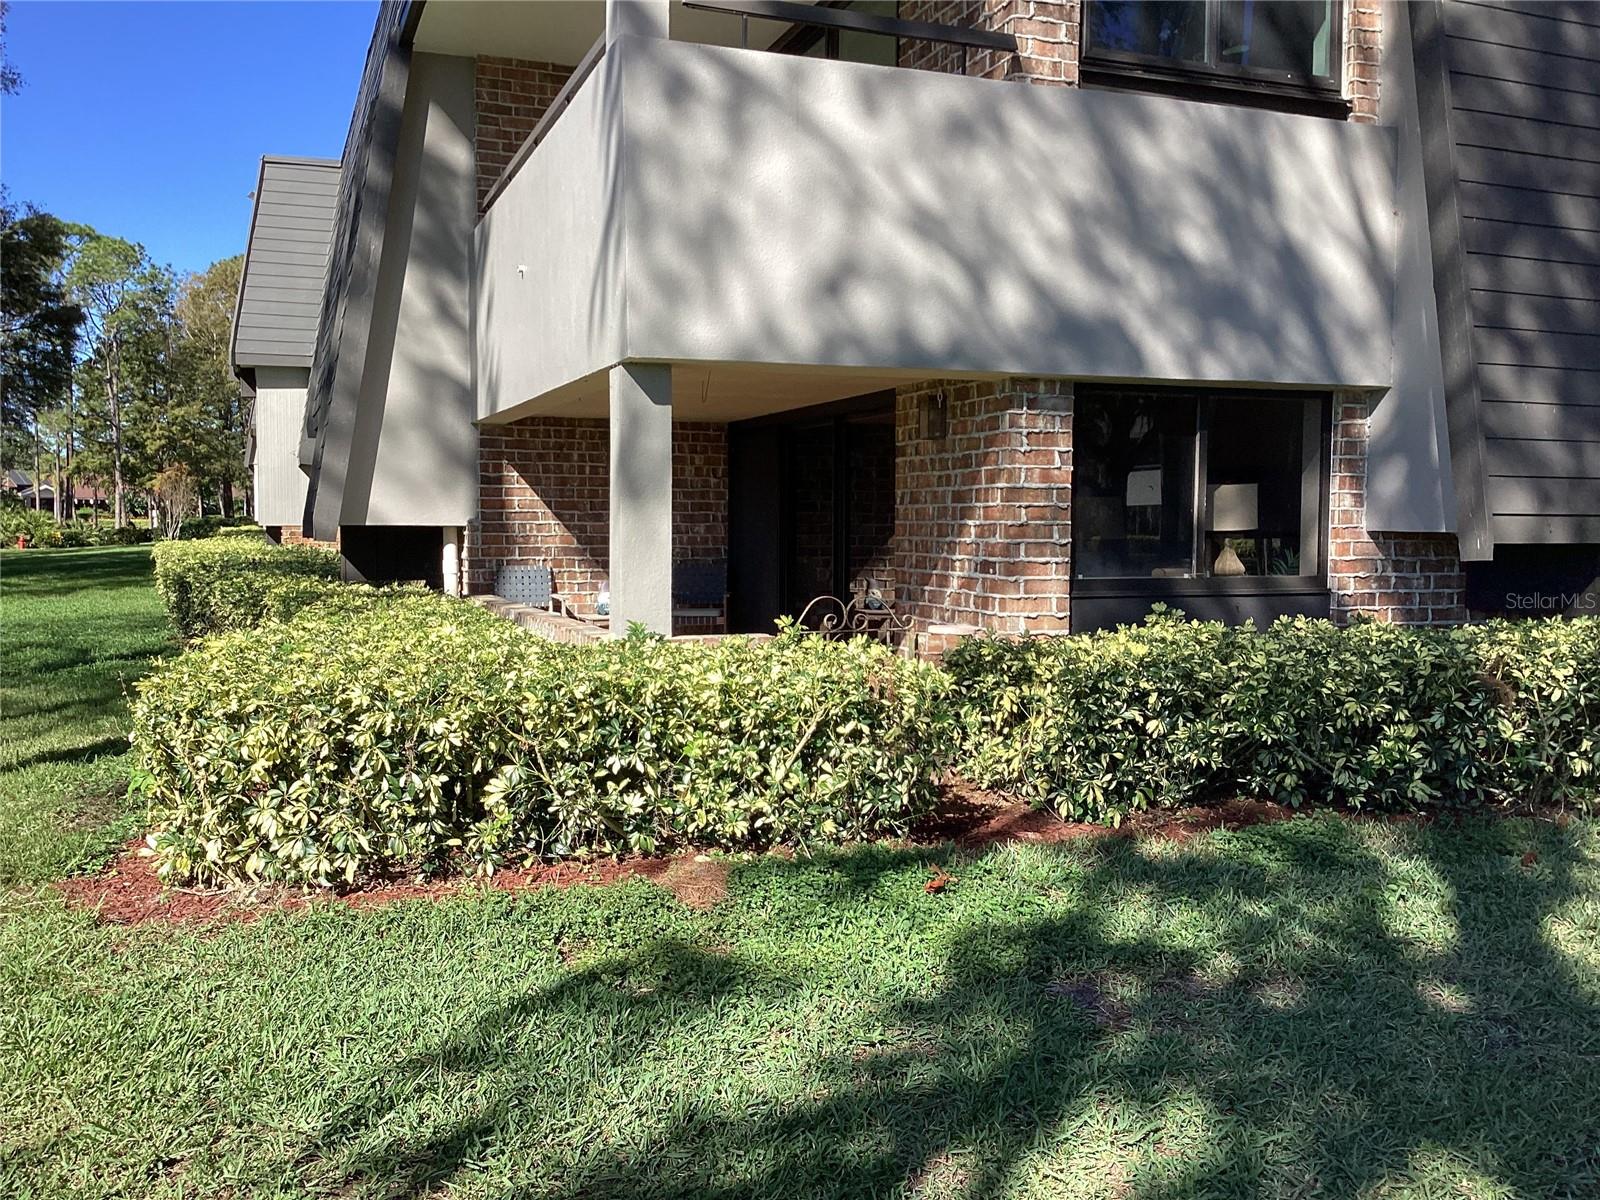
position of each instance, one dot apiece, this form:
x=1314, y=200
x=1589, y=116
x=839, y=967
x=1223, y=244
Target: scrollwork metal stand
x=868, y=615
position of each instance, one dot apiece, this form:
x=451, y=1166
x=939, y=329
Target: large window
x=1281, y=47
x=1200, y=487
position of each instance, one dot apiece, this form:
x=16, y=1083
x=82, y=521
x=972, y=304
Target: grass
x=79, y=626
x=1317, y=1008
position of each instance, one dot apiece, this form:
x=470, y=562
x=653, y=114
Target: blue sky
x=148, y=120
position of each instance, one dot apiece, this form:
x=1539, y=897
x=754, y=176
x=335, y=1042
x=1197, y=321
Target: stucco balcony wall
x=707, y=204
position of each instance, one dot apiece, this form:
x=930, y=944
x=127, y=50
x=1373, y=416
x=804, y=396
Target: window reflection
x=1253, y=466
x=1231, y=42
x=1290, y=37
x=1161, y=30
x=1133, y=487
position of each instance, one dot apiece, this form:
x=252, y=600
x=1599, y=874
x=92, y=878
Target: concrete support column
x=641, y=496
x=641, y=18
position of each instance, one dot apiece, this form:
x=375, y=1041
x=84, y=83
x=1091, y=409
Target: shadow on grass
x=1286, y=1011
x=85, y=752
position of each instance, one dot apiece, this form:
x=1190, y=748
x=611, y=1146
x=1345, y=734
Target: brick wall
x=983, y=522
x=544, y=497
x=292, y=535
x=511, y=95
x=1046, y=33
x=1407, y=578
x=984, y=533
x=870, y=543
x=699, y=491
x=1363, y=30
x=1049, y=36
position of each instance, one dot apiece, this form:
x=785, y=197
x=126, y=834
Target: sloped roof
x=280, y=289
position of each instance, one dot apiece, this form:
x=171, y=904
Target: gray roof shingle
x=280, y=291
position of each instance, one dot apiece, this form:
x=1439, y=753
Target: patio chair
x=532, y=584
x=700, y=589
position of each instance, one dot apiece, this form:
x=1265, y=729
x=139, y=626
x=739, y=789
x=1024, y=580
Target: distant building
x=275, y=327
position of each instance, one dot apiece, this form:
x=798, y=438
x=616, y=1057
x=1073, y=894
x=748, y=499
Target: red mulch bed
x=128, y=892
x=975, y=818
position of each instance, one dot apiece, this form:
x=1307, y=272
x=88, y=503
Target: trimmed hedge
x=234, y=582
x=106, y=535
x=195, y=528
x=1172, y=712
x=379, y=731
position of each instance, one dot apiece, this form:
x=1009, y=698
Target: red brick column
x=1363, y=33
x=544, y=498
x=983, y=515
x=1406, y=578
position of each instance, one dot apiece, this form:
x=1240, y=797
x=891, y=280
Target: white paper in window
x=1144, y=487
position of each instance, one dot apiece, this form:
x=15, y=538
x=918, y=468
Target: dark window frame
x=1289, y=91
x=1174, y=587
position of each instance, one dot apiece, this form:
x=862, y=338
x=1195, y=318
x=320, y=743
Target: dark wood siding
x=1524, y=120
x=1541, y=422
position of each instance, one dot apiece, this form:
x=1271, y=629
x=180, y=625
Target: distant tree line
x=115, y=368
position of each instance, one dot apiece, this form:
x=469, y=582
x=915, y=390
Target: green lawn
x=1318, y=1008
x=77, y=627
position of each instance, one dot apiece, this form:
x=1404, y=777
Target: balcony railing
x=569, y=89
x=815, y=16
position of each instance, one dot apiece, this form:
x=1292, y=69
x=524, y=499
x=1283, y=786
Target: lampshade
x=1233, y=507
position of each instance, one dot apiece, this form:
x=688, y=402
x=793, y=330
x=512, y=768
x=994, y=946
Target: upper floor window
x=1285, y=48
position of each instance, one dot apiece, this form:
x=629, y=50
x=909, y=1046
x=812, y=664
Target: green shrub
x=1545, y=675
x=197, y=528
x=1098, y=724
x=37, y=527
x=40, y=529
x=230, y=582
x=376, y=731
x=1172, y=712
x=124, y=535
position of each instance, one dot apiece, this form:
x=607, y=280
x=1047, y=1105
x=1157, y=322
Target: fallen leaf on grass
x=939, y=882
